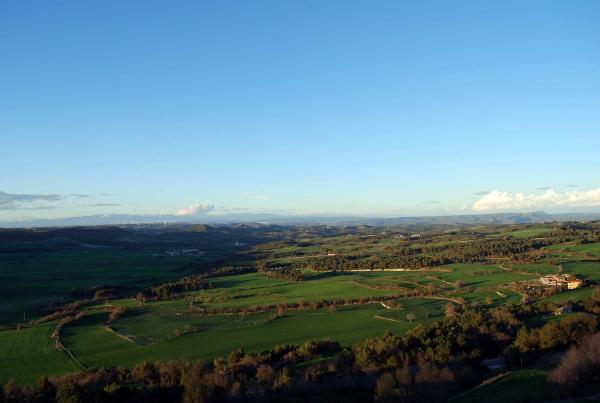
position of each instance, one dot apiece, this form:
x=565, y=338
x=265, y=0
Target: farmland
x=67, y=309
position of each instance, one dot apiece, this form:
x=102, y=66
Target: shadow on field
x=90, y=319
x=321, y=276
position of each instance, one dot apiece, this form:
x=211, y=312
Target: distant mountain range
x=269, y=218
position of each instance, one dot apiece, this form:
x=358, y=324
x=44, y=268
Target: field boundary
x=390, y=319
x=113, y=331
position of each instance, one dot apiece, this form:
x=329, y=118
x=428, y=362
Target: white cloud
x=257, y=196
x=200, y=208
x=497, y=200
x=20, y=201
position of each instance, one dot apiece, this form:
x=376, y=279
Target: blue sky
x=384, y=108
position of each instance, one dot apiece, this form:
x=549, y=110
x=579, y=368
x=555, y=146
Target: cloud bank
x=19, y=201
x=195, y=209
x=501, y=201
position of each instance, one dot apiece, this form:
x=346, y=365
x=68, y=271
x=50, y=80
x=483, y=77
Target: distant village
x=184, y=252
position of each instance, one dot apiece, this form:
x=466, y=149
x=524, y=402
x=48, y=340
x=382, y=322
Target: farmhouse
x=561, y=280
x=554, y=279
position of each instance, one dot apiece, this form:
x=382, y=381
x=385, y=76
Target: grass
x=570, y=295
x=164, y=330
x=93, y=345
x=146, y=328
x=424, y=310
x=589, y=271
x=29, y=353
x=479, y=275
x=517, y=386
x=89, y=340
x=541, y=269
x=497, y=300
x=592, y=249
x=256, y=289
x=530, y=232
x=30, y=279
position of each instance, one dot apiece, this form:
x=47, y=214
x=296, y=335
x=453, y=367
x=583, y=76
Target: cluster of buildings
x=184, y=252
x=561, y=280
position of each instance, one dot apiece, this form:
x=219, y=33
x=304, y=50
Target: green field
x=27, y=354
x=30, y=279
x=256, y=289
x=518, y=386
x=589, y=271
x=94, y=345
x=540, y=269
x=591, y=249
x=530, y=232
x=163, y=330
x=571, y=295
x=239, y=310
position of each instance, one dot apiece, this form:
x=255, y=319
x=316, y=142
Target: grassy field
x=424, y=310
x=541, y=269
x=148, y=334
x=589, y=271
x=166, y=330
x=591, y=250
x=256, y=289
x=29, y=353
x=163, y=330
x=94, y=345
x=530, y=232
x=147, y=326
x=571, y=295
x=27, y=279
x=479, y=275
x=518, y=386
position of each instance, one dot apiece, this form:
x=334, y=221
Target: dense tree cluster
x=421, y=256
x=592, y=304
x=554, y=335
x=579, y=367
x=172, y=290
x=470, y=336
x=300, y=305
x=96, y=292
x=284, y=273
x=280, y=272
x=63, y=311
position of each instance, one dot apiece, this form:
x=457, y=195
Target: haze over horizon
x=298, y=108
